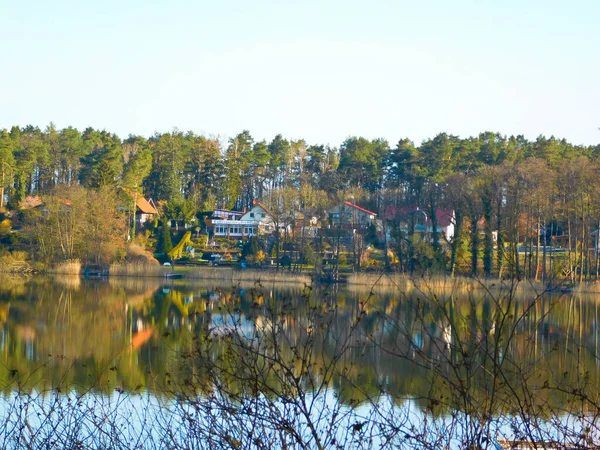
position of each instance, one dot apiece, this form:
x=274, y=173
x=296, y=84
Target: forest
x=514, y=199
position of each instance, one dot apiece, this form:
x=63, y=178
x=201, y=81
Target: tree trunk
x=537, y=248
x=434, y=225
x=488, y=243
x=499, y=240
x=457, y=230
x=569, y=249
x=474, y=245
x=583, y=252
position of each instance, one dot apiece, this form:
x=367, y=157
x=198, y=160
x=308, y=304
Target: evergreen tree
x=7, y=163
x=164, y=244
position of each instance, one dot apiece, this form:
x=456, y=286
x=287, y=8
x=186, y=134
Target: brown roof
x=145, y=206
x=30, y=202
x=36, y=201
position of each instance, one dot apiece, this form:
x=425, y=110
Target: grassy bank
x=233, y=275
x=228, y=274
x=377, y=281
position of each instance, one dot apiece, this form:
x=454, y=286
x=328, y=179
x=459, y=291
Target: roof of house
x=227, y=211
x=30, y=202
x=143, y=205
x=35, y=201
x=264, y=207
x=256, y=203
x=444, y=216
x=359, y=208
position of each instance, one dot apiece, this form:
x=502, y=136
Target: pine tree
x=165, y=245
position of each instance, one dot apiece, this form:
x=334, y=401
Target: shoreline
x=362, y=280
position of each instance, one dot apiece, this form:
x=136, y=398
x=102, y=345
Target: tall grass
x=15, y=262
x=137, y=269
x=68, y=267
x=233, y=275
x=407, y=283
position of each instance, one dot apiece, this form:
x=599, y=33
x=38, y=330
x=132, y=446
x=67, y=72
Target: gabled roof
x=142, y=204
x=260, y=205
x=445, y=217
x=264, y=207
x=145, y=206
x=359, y=208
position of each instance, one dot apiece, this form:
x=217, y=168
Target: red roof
x=359, y=208
x=444, y=216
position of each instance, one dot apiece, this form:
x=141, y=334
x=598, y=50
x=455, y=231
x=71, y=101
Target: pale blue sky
x=319, y=70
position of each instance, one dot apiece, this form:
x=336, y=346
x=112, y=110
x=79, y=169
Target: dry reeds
x=15, y=262
x=137, y=269
x=232, y=275
x=68, y=267
x=438, y=284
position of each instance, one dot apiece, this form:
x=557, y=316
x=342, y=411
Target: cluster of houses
x=347, y=215
x=259, y=221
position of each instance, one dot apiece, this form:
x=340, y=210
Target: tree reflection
x=462, y=358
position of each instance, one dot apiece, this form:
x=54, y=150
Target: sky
x=319, y=70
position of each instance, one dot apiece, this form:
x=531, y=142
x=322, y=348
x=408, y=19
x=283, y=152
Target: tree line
x=504, y=190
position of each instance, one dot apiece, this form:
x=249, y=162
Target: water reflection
x=129, y=334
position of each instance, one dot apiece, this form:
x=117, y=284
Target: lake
x=147, y=363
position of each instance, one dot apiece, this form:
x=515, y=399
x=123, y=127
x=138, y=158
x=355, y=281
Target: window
x=252, y=215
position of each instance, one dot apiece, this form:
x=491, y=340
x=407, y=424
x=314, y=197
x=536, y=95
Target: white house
x=239, y=225
x=352, y=215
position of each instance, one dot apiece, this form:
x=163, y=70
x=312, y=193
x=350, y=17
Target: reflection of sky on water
x=103, y=335
x=147, y=421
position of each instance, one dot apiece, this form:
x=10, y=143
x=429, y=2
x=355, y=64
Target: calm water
x=132, y=336
x=128, y=331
